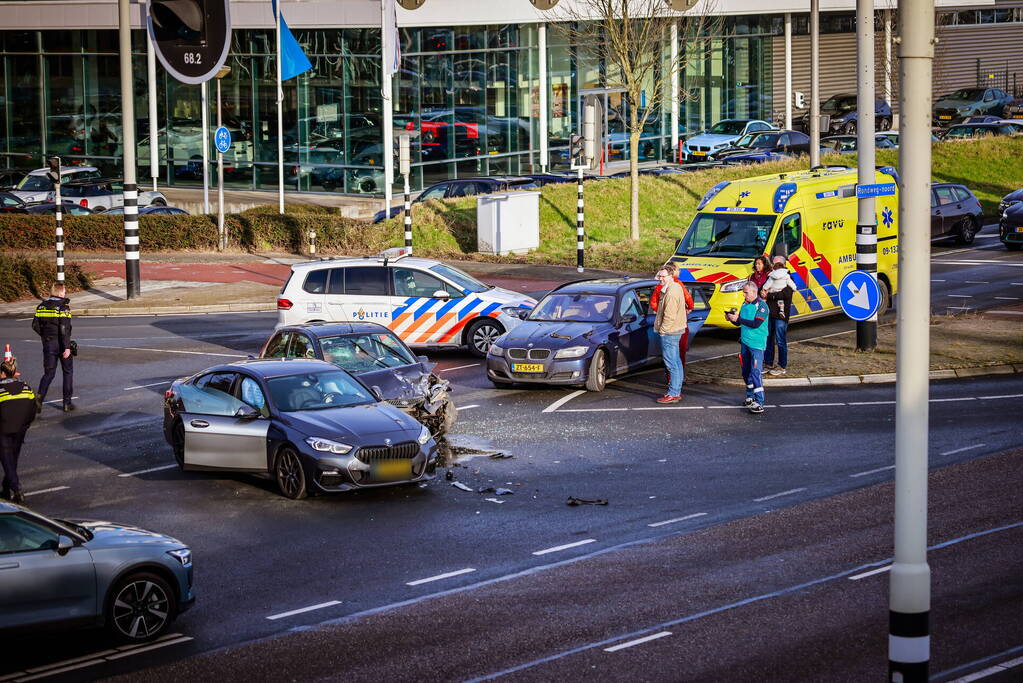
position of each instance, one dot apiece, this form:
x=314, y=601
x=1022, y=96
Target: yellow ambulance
x=807, y=216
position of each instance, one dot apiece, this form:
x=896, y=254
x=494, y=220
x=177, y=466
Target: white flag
x=391, y=43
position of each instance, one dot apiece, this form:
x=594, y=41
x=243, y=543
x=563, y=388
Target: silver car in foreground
x=56, y=573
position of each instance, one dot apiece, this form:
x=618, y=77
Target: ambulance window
x=790, y=235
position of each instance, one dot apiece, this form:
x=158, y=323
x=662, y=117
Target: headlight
x=572, y=352
x=182, y=555
x=512, y=310
x=328, y=446
x=495, y=350
x=424, y=436
x=733, y=286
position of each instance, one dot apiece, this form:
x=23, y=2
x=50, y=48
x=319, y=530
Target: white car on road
x=425, y=302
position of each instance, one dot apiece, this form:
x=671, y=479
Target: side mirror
x=441, y=294
x=629, y=318
x=247, y=412
x=64, y=545
x=377, y=394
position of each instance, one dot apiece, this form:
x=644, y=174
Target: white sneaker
x=756, y=408
x=748, y=402
x=776, y=372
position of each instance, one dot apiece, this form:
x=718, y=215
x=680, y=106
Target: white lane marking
x=778, y=495
x=960, y=296
x=155, y=646
x=983, y=398
x=975, y=262
x=563, y=400
x=558, y=548
x=879, y=469
x=713, y=407
x=21, y=320
x=1018, y=284
x=937, y=280
x=808, y=405
x=638, y=641
x=104, y=432
x=872, y=403
x=1007, y=298
x=144, y=386
x=151, y=469
x=50, y=490
x=668, y=408
x=59, y=400
x=1007, y=312
x=189, y=353
x=471, y=405
x=459, y=367
x=93, y=659
x=872, y=572
x=963, y=449
x=976, y=282
x=990, y=671
x=677, y=519
x=948, y=400
x=302, y=610
x=593, y=410
x=439, y=577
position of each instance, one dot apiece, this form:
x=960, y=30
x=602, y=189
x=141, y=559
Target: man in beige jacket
x=671, y=324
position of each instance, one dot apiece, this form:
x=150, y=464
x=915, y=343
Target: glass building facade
x=471, y=93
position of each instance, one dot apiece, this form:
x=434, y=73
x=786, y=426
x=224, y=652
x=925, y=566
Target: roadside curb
x=880, y=378
x=165, y=310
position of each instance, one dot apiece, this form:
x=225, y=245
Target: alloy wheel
x=290, y=477
x=141, y=609
x=483, y=336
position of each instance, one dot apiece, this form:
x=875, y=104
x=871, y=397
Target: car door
x=366, y=294
x=633, y=337
x=950, y=209
x=38, y=584
x=425, y=307
x=789, y=243
x=935, y=215
x=216, y=437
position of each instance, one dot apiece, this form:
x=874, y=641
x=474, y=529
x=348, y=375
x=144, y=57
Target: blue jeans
x=673, y=361
x=777, y=335
x=752, y=362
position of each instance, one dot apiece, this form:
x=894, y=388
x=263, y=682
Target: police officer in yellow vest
x=52, y=322
x=17, y=410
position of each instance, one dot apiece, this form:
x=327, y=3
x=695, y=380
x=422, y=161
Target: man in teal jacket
x=751, y=320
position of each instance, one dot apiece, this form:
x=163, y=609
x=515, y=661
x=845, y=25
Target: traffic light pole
x=131, y=192
x=909, y=645
x=866, y=222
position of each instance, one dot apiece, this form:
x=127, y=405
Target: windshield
x=728, y=128
x=758, y=141
x=726, y=234
x=967, y=132
x=464, y=280
x=358, y=353
x=574, y=308
x=317, y=391
x=838, y=103
x=965, y=94
x=35, y=183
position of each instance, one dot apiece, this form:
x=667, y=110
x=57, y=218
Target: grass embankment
x=447, y=229
x=962, y=341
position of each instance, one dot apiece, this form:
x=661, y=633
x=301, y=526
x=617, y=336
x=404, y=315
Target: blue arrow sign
x=222, y=139
x=859, y=295
x=878, y=190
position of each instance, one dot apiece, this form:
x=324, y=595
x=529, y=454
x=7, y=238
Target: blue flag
x=293, y=59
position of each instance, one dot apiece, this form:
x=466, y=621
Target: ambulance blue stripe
x=467, y=309
x=686, y=274
x=404, y=307
x=804, y=289
x=826, y=285
x=423, y=309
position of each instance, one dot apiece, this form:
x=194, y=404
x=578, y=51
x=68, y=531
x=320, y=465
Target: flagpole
x=388, y=106
x=280, y=113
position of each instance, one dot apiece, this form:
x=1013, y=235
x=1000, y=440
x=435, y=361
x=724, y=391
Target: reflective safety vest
x=17, y=406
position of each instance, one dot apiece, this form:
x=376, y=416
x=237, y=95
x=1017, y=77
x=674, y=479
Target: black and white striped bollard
x=131, y=239
x=60, y=233
x=312, y=242
x=408, y=217
x=580, y=226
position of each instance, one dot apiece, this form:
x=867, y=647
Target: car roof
x=349, y=261
x=275, y=367
x=8, y=508
x=92, y=181
x=64, y=170
x=608, y=285
x=327, y=329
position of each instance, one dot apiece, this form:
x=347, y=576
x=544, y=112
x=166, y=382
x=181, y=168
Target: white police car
x=425, y=302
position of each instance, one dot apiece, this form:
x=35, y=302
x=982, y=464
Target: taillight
x=284, y=304
x=168, y=393
x=84, y=202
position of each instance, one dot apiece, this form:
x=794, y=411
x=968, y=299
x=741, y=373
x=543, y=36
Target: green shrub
x=23, y=276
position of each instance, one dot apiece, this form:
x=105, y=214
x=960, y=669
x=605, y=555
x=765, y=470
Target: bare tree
x=631, y=39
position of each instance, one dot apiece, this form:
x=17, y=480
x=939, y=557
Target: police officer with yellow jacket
x=17, y=410
x=52, y=322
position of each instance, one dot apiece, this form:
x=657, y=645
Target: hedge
x=23, y=276
x=255, y=229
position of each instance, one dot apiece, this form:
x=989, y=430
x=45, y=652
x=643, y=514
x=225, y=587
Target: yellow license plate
x=945, y=118
x=391, y=470
x=1018, y=116
x=527, y=367
x=1019, y=228
x=699, y=154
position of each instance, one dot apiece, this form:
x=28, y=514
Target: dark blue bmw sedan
x=308, y=424
x=584, y=332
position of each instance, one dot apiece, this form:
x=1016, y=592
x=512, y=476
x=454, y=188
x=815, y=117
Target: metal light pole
x=542, y=129
x=866, y=221
x=909, y=580
x=674, y=91
x=204, y=100
x=131, y=191
x=788, y=70
x=279, y=98
x=154, y=126
x=221, y=230
x=815, y=89
x=387, y=104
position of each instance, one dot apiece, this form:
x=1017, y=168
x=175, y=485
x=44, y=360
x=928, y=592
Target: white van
x=425, y=302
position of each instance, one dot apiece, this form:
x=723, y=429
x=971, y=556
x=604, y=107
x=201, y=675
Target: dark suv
x=465, y=187
x=844, y=115
x=961, y=104
x=955, y=212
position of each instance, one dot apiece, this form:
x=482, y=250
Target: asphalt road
x=266, y=565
